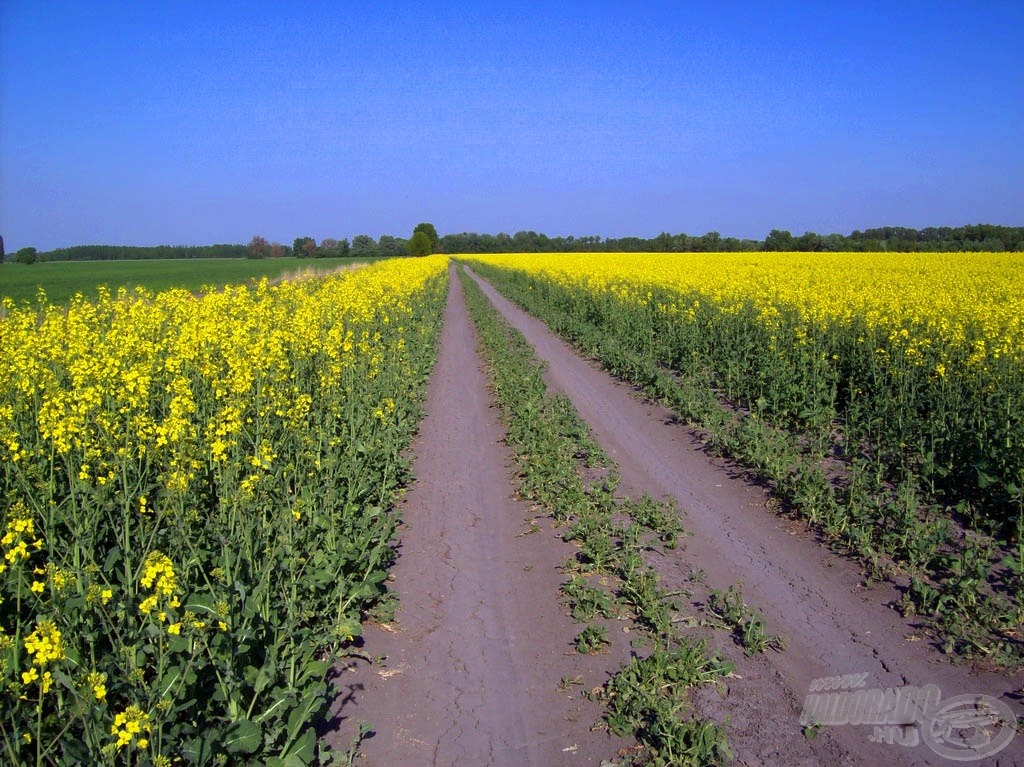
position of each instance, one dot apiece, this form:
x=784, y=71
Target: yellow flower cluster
x=158, y=575
x=97, y=681
x=44, y=644
x=19, y=536
x=101, y=594
x=60, y=578
x=131, y=724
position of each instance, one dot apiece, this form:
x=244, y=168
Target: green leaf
x=984, y=480
x=303, y=751
x=243, y=737
x=260, y=678
x=113, y=559
x=201, y=604
x=198, y=751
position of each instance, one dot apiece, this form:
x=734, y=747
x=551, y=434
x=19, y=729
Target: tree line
x=132, y=252
x=979, y=237
x=942, y=239
x=425, y=240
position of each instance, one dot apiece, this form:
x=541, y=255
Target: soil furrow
x=480, y=641
x=834, y=624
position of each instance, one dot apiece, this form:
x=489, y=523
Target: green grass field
x=63, y=279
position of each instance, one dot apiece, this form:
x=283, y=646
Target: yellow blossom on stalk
x=386, y=408
x=44, y=644
x=98, y=682
x=60, y=578
x=20, y=534
x=158, y=574
x=248, y=485
x=97, y=593
x=218, y=450
x=129, y=725
x=264, y=457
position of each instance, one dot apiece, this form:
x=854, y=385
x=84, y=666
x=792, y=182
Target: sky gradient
x=195, y=123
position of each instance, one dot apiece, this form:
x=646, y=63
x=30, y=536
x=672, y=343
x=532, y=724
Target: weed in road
x=747, y=627
x=592, y=639
x=586, y=602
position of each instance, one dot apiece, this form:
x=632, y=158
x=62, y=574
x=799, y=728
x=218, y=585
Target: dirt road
x=480, y=642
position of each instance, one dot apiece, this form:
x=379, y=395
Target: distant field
x=62, y=280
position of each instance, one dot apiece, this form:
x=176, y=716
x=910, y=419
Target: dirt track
x=482, y=641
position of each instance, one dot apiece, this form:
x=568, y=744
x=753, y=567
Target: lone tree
x=26, y=256
x=328, y=248
x=419, y=244
x=430, y=232
x=303, y=247
x=258, y=247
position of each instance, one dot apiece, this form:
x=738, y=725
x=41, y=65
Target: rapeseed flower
x=44, y=644
x=131, y=724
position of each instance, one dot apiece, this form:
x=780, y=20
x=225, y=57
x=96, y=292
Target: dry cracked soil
x=473, y=669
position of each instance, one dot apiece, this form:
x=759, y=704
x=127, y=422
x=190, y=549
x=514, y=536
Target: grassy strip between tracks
x=608, y=578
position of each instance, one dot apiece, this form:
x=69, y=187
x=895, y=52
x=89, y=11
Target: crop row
x=196, y=510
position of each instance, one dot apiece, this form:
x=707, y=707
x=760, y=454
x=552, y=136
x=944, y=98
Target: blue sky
x=190, y=123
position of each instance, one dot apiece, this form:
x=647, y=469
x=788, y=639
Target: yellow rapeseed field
x=194, y=507
x=916, y=358
x=917, y=298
